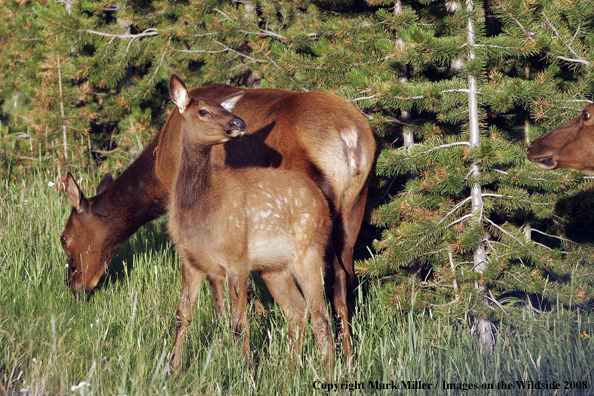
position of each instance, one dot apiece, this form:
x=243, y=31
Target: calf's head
x=205, y=121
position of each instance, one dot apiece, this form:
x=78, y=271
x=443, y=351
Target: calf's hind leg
x=216, y=285
x=285, y=292
x=238, y=294
x=310, y=281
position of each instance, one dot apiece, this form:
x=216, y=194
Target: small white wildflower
x=80, y=385
x=24, y=390
x=51, y=184
x=92, y=324
x=66, y=266
x=34, y=360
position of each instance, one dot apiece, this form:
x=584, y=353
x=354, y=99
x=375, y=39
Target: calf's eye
x=585, y=115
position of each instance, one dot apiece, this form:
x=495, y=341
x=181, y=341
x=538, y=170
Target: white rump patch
x=350, y=139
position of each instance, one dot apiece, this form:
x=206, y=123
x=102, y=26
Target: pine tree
x=461, y=222
x=21, y=43
x=106, y=66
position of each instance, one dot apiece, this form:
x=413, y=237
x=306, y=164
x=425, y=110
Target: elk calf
x=226, y=223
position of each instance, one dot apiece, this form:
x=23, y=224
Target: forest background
x=460, y=224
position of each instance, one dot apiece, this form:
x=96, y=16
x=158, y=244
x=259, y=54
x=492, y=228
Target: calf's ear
x=230, y=102
x=179, y=93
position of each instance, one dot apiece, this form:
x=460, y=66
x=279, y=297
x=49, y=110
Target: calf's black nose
x=238, y=123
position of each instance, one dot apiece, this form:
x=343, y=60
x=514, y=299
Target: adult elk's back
x=316, y=133
x=569, y=146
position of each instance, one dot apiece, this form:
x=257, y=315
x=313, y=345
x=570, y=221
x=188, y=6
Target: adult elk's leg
x=344, y=235
x=285, y=292
x=191, y=281
x=339, y=290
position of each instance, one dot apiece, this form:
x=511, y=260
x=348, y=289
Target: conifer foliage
x=455, y=91
x=477, y=213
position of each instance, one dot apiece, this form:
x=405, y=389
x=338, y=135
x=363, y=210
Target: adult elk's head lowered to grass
x=83, y=237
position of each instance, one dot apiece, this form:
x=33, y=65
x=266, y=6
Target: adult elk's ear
x=77, y=199
x=179, y=93
x=230, y=102
x=104, y=183
x=101, y=208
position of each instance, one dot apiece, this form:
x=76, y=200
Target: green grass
x=118, y=342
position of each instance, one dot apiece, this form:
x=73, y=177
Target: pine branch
x=125, y=53
x=363, y=98
x=157, y=69
x=238, y=53
x=263, y=32
x=437, y=148
x=453, y=210
x=461, y=219
x=579, y=58
x=154, y=74
x=516, y=198
x=495, y=46
x=554, y=236
x=200, y=51
x=527, y=33
x=146, y=33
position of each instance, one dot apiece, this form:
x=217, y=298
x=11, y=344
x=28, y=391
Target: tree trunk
x=485, y=333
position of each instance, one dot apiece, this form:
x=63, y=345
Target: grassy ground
x=118, y=342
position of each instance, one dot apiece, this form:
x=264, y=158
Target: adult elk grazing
x=316, y=133
x=228, y=222
x=569, y=146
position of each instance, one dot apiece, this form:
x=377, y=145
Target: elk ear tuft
x=179, y=93
x=77, y=199
x=230, y=102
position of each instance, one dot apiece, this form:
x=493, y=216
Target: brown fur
x=316, y=133
x=226, y=223
x=569, y=146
